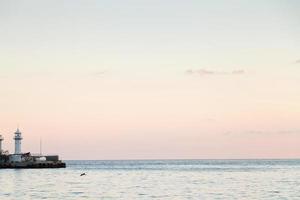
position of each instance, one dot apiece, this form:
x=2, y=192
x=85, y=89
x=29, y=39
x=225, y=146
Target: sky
x=151, y=79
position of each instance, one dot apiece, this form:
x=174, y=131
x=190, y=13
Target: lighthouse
x=18, y=138
x=1, y=139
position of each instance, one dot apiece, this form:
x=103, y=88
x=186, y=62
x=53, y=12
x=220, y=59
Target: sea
x=156, y=179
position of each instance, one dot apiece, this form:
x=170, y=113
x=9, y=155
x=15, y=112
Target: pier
x=26, y=160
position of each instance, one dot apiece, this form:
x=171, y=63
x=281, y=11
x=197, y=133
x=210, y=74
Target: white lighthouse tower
x=1, y=139
x=18, y=138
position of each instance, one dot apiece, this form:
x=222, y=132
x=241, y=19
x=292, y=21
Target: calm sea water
x=156, y=179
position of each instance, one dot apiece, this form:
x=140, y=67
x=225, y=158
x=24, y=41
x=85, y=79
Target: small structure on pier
x=1, y=139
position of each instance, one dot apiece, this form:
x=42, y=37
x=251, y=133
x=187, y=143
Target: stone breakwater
x=32, y=165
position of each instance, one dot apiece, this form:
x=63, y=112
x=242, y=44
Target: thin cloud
x=265, y=132
x=205, y=72
x=288, y=132
x=201, y=72
x=279, y=132
x=238, y=72
x=297, y=61
x=209, y=120
x=99, y=73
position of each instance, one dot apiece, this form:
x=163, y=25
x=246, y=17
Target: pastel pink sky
x=150, y=80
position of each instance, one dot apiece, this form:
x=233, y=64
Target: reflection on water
x=156, y=179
